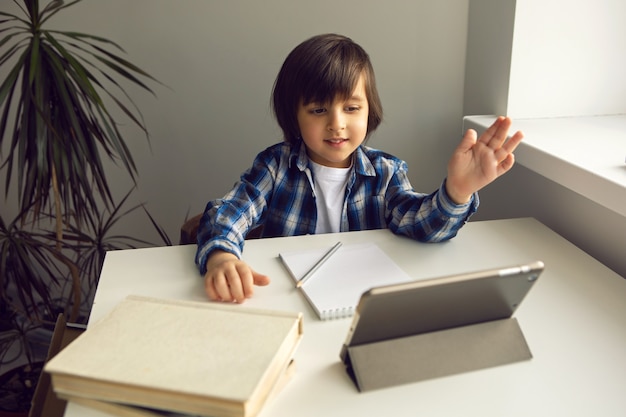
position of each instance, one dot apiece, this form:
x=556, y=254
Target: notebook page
x=335, y=289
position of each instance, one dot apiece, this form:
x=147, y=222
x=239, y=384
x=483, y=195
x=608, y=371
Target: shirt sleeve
x=227, y=220
x=425, y=217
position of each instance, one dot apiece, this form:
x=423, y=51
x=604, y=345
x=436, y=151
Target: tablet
x=399, y=310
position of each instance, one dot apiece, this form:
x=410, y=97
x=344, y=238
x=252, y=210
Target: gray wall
x=219, y=59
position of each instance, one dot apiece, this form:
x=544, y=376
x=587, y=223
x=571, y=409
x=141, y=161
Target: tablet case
x=436, y=354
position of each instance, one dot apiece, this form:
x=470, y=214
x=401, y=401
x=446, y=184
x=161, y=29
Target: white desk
x=574, y=320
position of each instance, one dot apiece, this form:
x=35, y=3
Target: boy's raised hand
x=477, y=162
x=230, y=279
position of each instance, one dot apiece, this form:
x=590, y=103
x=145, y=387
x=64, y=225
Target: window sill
x=584, y=154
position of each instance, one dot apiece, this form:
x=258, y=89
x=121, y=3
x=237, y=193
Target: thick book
x=336, y=286
x=197, y=358
x=125, y=410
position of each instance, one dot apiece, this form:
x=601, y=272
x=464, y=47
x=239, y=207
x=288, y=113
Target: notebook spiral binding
x=338, y=313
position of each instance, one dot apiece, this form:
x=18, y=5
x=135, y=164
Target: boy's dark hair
x=318, y=70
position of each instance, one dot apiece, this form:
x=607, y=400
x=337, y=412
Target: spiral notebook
x=336, y=287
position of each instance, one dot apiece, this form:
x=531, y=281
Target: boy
x=323, y=178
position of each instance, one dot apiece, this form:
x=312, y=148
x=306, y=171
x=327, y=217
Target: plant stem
x=57, y=208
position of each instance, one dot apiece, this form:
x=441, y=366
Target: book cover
x=208, y=359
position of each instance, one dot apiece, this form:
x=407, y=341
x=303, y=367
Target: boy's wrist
x=455, y=196
x=217, y=257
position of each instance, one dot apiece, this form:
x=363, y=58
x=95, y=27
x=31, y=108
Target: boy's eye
x=353, y=108
x=317, y=110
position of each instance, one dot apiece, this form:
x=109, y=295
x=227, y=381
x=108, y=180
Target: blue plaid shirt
x=277, y=192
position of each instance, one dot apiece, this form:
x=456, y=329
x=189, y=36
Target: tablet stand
x=436, y=354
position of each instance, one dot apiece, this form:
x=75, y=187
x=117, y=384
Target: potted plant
x=56, y=128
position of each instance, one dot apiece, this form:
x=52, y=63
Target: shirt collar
x=362, y=164
x=298, y=156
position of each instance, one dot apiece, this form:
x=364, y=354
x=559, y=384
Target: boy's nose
x=336, y=122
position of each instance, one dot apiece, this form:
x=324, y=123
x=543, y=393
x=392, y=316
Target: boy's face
x=333, y=131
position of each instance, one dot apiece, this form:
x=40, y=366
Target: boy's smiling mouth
x=336, y=141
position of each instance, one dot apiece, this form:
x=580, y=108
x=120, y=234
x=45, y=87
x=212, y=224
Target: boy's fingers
x=506, y=164
x=513, y=141
x=250, y=279
x=233, y=281
x=222, y=286
x=245, y=285
x=488, y=135
x=260, y=279
x=210, y=289
x=500, y=134
x=467, y=142
x=216, y=288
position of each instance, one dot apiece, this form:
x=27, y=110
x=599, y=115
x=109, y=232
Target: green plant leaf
x=60, y=106
x=53, y=8
x=24, y=255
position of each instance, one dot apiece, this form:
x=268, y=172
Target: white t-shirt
x=330, y=190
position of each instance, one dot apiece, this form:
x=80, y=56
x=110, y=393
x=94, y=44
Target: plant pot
x=17, y=387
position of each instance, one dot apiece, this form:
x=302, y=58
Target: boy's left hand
x=477, y=162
